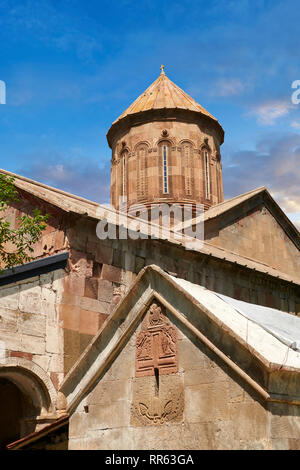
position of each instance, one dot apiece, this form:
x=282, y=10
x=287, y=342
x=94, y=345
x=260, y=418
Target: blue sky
x=71, y=67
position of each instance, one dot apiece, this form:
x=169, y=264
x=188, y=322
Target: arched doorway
x=27, y=400
x=15, y=412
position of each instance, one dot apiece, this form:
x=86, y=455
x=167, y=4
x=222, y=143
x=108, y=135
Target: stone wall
x=255, y=234
x=29, y=323
x=121, y=260
x=49, y=320
x=214, y=409
x=98, y=275
x=137, y=164
x=284, y=426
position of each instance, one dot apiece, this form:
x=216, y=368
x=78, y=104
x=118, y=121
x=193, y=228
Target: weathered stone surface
x=30, y=298
x=33, y=344
x=104, y=254
x=189, y=357
x=9, y=297
x=203, y=376
x=22, y=354
x=94, y=305
x=249, y=421
x=69, y=316
x=88, y=322
x=32, y=324
x=48, y=320
x=206, y=402
x=74, y=283
x=111, y=391
x=285, y=421
x=53, y=339
x=156, y=344
x=105, y=290
x=116, y=414
x=156, y=402
x=111, y=273
x=91, y=288
x=8, y=319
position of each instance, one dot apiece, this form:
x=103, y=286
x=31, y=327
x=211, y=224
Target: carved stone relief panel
x=155, y=404
x=157, y=391
x=156, y=344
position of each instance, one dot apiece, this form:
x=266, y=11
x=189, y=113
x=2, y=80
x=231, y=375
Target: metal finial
x=162, y=70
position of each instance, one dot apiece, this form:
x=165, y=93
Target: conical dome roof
x=161, y=96
x=163, y=93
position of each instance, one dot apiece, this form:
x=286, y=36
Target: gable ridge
x=75, y=204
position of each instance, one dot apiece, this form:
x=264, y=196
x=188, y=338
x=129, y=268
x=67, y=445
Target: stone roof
x=283, y=326
x=163, y=93
x=74, y=204
x=232, y=203
x=215, y=211
x=62, y=199
x=37, y=435
x=160, y=101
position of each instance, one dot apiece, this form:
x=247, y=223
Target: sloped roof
x=283, y=326
x=218, y=209
x=230, y=204
x=153, y=283
x=74, y=204
x=163, y=93
x=38, y=435
x=62, y=199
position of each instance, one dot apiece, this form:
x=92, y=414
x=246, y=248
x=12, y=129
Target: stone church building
x=143, y=343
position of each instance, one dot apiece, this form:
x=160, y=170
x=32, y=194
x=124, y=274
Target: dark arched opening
x=16, y=413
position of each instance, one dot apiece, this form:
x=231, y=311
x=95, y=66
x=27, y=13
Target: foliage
x=27, y=232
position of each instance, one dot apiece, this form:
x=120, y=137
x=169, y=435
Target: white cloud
x=80, y=176
x=267, y=113
x=274, y=164
x=229, y=87
x=295, y=124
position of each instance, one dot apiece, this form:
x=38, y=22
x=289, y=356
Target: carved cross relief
x=156, y=400
x=156, y=344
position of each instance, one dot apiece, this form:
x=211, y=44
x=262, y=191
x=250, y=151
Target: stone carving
x=153, y=406
x=143, y=345
x=155, y=315
x=156, y=344
x=157, y=411
x=157, y=389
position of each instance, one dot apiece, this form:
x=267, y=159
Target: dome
x=162, y=94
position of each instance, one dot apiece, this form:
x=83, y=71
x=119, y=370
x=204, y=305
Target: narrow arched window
x=218, y=179
x=207, y=174
x=141, y=166
x=165, y=169
x=187, y=162
x=123, y=163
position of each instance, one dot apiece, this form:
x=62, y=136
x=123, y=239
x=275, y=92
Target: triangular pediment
x=194, y=312
x=254, y=226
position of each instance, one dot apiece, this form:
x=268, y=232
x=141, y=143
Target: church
x=110, y=343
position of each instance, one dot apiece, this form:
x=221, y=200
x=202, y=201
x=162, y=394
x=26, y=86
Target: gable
x=244, y=346
x=256, y=234
x=66, y=209
x=210, y=391
x=200, y=406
